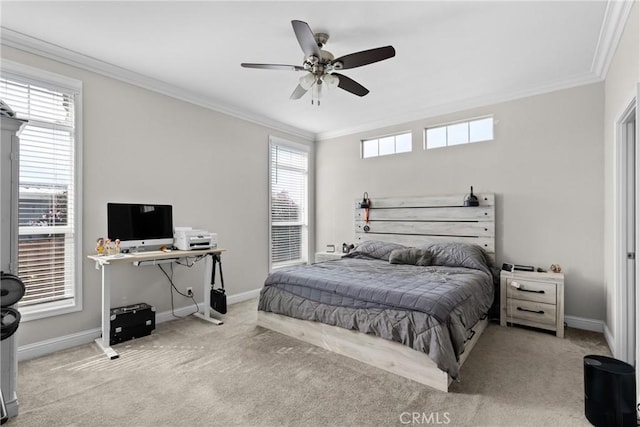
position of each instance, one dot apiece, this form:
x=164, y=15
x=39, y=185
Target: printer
x=187, y=238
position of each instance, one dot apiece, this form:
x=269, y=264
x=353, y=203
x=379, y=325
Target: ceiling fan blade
x=305, y=39
x=298, y=92
x=273, y=66
x=365, y=57
x=350, y=85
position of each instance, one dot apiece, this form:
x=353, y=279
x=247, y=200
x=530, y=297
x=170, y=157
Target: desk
x=105, y=262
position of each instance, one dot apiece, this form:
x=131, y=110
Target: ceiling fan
x=321, y=67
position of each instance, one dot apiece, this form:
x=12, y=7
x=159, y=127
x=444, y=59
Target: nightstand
x=533, y=299
x=327, y=256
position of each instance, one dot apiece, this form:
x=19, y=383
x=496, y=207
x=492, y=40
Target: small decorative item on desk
x=110, y=247
x=100, y=246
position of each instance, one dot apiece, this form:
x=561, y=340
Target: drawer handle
x=530, y=290
x=520, y=287
x=471, y=334
x=531, y=311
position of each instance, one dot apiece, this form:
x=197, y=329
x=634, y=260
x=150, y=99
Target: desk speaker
x=609, y=392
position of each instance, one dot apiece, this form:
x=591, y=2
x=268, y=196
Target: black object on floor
x=609, y=392
x=131, y=321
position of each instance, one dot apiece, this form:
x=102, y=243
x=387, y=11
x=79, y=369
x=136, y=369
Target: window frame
x=458, y=122
x=30, y=75
x=305, y=223
x=378, y=138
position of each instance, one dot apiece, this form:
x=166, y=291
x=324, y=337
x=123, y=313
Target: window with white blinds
x=289, y=172
x=48, y=221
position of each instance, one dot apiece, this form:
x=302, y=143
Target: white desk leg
x=103, y=342
x=206, y=310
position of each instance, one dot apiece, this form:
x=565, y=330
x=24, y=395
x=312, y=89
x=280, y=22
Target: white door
x=629, y=208
x=628, y=226
x=629, y=132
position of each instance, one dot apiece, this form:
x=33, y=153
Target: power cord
x=173, y=287
x=195, y=259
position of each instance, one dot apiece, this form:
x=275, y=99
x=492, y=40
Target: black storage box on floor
x=609, y=392
x=131, y=321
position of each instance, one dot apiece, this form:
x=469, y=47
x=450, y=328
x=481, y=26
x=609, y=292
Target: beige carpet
x=190, y=373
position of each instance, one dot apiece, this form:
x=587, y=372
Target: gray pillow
x=453, y=254
x=374, y=249
x=413, y=256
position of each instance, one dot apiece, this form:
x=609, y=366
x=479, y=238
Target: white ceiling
x=449, y=54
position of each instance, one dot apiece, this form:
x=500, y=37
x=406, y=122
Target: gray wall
x=140, y=146
x=545, y=167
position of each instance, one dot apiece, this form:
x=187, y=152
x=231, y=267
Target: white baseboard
x=165, y=316
x=42, y=348
x=584, y=324
x=608, y=336
x=245, y=296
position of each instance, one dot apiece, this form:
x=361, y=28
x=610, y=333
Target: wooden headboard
x=415, y=221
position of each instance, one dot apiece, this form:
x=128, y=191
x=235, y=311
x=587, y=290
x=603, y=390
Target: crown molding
x=615, y=16
x=57, y=53
x=462, y=105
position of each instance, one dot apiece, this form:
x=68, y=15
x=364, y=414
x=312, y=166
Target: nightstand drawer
x=530, y=290
x=532, y=311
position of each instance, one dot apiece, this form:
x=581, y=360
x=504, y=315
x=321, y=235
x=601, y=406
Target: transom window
x=457, y=133
x=392, y=144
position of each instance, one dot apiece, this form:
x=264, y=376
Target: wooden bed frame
x=411, y=221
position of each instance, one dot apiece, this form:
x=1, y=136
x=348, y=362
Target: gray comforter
x=428, y=308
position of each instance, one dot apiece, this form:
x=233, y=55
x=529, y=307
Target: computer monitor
x=140, y=226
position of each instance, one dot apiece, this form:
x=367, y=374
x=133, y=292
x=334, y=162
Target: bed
x=412, y=298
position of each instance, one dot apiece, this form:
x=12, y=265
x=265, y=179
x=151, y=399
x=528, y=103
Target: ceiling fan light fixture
x=331, y=81
x=307, y=81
